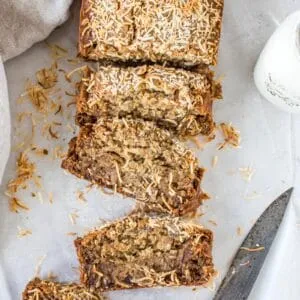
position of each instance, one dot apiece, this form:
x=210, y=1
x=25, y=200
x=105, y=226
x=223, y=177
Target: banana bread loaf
x=138, y=159
x=175, y=99
x=180, y=31
x=143, y=251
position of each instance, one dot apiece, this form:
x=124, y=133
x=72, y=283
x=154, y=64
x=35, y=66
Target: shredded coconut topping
x=38, y=289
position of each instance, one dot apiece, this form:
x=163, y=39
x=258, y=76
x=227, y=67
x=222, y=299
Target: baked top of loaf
x=145, y=251
x=184, y=31
x=138, y=159
x=175, y=99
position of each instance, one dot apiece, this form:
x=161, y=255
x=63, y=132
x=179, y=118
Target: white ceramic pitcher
x=277, y=72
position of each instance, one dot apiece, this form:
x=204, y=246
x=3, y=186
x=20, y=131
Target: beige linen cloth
x=25, y=22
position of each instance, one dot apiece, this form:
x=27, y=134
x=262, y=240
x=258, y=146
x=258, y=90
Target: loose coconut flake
x=231, y=136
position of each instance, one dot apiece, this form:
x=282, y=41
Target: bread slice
x=175, y=99
x=185, y=32
x=138, y=159
x=143, y=251
x=38, y=289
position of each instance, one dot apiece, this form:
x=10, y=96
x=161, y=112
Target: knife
x=250, y=257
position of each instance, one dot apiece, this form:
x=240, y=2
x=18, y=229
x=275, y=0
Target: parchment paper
x=270, y=145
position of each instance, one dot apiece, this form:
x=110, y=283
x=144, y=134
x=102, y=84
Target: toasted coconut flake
x=51, y=276
x=231, y=136
x=47, y=78
x=80, y=196
x=215, y=160
x=197, y=143
x=72, y=233
x=74, y=61
x=70, y=74
x=70, y=94
x=58, y=152
x=40, y=197
x=247, y=173
x=15, y=205
x=57, y=51
x=21, y=116
x=39, y=265
x=213, y=222
x=73, y=217
x=38, y=97
x=39, y=151
x=25, y=172
x=59, y=110
x=71, y=103
x=50, y=196
x=23, y=232
x=239, y=231
x=53, y=134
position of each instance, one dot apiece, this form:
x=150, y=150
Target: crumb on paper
x=16, y=205
x=39, y=265
x=215, y=160
x=247, y=173
x=239, y=231
x=23, y=232
x=47, y=77
x=252, y=196
x=231, y=136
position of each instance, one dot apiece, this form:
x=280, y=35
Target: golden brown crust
x=168, y=30
x=138, y=159
x=175, y=99
x=38, y=289
x=145, y=251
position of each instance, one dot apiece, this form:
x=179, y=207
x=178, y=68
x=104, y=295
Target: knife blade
x=251, y=255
